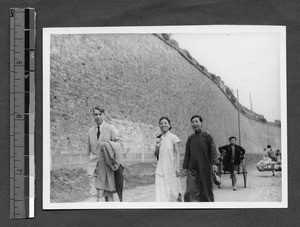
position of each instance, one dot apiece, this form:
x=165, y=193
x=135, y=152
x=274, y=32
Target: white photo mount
x=190, y=30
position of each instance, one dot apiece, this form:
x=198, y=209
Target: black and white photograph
x=164, y=117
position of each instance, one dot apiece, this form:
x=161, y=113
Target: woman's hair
x=197, y=116
x=157, y=137
x=269, y=146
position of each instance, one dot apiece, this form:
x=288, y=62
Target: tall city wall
x=137, y=78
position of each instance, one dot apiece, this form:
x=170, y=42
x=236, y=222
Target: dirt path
x=261, y=187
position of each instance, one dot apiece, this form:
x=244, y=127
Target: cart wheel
x=245, y=174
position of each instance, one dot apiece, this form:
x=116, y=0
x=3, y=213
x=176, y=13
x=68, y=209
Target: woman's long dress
x=167, y=185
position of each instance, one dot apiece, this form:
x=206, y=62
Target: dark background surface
x=77, y=13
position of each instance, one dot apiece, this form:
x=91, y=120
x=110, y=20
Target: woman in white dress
x=167, y=181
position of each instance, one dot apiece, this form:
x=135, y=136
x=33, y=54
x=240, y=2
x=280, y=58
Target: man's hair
x=269, y=146
x=197, y=116
x=232, y=137
x=99, y=109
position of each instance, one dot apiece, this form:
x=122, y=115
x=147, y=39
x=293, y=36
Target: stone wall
x=137, y=78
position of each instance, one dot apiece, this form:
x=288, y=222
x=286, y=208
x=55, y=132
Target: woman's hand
x=158, y=142
x=215, y=168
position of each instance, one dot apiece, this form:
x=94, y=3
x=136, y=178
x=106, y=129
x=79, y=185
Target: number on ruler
x=31, y=54
x=19, y=170
x=19, y=116
x=12, y=12
x=19, y=62
x=26, y=75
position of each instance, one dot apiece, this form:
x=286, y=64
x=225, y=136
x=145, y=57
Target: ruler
x=22, y=106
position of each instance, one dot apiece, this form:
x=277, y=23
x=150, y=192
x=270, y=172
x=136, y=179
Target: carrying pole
x=251, y=102
x=268, y=133
x=239, y=120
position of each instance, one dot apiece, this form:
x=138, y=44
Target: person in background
x=270, y=153
x=167, y=181
x=278, y=156
x=101, y=176
x=278, y=162
x=199, y=163
x=232, y=155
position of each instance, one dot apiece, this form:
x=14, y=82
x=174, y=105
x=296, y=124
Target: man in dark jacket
x=232, y=155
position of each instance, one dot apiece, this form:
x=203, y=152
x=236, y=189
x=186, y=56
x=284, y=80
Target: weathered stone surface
x=137, y=78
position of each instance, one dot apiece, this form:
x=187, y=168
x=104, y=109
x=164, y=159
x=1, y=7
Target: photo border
x=47, y=32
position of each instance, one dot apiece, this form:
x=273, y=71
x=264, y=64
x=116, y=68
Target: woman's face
x=164, y=125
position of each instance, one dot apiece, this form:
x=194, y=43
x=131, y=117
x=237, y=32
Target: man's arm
x=222, y=149
x=213, y=151
x=88, y=145
x=265, y=154
x=177, y=157
x=242, y=151
x=115, y=136
x=187, y=155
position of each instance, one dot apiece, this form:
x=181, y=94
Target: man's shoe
x=234, y=188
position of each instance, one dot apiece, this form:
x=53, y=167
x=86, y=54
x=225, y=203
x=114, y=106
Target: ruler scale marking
x=22, y=51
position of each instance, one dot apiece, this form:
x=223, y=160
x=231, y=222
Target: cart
x=241, y=169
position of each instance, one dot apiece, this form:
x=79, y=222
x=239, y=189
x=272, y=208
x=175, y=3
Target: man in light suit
x=101, y=176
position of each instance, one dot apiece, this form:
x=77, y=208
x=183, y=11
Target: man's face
x=232, y=141
x=196, y=124
x=98, y=117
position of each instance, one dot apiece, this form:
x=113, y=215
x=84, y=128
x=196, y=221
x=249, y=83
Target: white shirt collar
x=101, y=126
x=167, y=133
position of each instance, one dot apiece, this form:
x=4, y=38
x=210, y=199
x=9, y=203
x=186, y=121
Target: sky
x=249, y=62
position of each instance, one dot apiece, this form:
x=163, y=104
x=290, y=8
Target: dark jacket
x=206, y=146
x=239, y=153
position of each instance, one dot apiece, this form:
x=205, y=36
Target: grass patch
x=139, y=174
x=72, y=185
x=69, y=185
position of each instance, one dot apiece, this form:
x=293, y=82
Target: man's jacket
x=239, y=154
